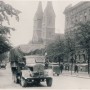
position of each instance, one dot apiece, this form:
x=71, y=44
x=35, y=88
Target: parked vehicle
x=3, y=65
x=56, y=68
x=34, y=72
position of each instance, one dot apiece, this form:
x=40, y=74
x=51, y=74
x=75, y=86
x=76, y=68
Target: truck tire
x=49, y=82
x=23, y=82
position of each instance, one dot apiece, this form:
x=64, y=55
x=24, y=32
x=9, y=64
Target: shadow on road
x=35, y=85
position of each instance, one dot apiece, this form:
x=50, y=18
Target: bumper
x=41, y=79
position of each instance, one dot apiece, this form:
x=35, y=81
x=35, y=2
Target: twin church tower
x=44, y=24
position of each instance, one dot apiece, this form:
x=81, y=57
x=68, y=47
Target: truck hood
x=38, y=67
x=26, y=73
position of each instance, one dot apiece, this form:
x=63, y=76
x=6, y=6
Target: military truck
x=33, y=71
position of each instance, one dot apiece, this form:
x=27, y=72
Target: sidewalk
x=79, y=74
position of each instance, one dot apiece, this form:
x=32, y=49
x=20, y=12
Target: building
x=48, y=24
x=44, y=24
x=37, y=28
x=74, y=14
x=43, y=29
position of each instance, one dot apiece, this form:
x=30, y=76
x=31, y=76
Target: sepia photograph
x=45, y=44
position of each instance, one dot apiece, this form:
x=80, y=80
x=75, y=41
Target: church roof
x=31, y=47
x=39, y=12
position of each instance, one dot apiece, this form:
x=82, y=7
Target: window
x=76, y=19
x=84, y=57
x=75, y=57
x=89, y=11
x=79, y=57
x=85, y=16
x=67, y=21
x=81, y=17
x=72, y=20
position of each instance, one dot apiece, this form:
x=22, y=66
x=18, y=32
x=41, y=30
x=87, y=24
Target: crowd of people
x=68, y=67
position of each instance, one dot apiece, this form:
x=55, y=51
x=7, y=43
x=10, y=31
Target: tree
x=69, y=46
x=82, y=35
x=55, y=50
x=6, y=11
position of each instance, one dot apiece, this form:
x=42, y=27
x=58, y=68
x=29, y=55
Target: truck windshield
x=33, y=59
x=40, y=60
x=30, y=60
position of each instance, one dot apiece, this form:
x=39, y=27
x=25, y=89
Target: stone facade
x=77, y=13
x=44, y=24
x=74, y=14
x=48, y=25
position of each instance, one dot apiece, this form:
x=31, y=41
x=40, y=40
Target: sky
x=24, y=28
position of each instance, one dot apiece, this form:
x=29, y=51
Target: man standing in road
x=76, y=68
x=61, y=68
x=46, y=63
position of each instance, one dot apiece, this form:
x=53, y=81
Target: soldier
x=61, y=68
x=46, y=63
x=76, y=68
x=15, y=56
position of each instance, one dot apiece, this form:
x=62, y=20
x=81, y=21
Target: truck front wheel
x=49, y=82
x=23, y=82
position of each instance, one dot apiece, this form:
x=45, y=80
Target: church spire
x=48, y=24
x=39, y=12
x=49, y=9
x=37, y=28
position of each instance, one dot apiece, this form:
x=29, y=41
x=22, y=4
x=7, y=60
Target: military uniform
x=46, y=63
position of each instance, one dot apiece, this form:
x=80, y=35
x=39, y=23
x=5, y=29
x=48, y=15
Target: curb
x=87, y=77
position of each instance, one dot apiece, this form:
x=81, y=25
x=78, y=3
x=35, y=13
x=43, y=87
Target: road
x=59, y=82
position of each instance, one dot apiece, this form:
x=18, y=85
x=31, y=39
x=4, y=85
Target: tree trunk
x=88, y=64
x=71, y=68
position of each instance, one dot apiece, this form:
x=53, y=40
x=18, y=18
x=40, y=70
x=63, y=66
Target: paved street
x=64, y=81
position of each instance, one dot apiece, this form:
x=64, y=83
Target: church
x=43, y=28
x=44, y=24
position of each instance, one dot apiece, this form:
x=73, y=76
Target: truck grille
x=38, y=74
x=38, y=70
